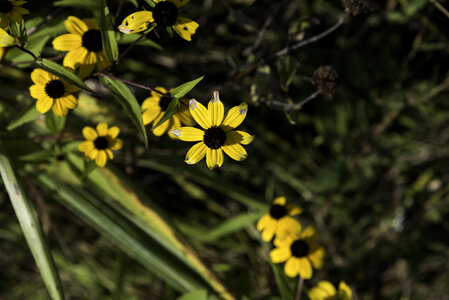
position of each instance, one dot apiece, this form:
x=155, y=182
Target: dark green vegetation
x=368, y=165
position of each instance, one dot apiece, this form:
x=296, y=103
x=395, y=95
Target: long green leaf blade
x=31, y=227
x=172, y=109
x=28, y=114
x=107, y=33
x=184, y=88
x=129, y=103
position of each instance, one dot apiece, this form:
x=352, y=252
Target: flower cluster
x=297, y=248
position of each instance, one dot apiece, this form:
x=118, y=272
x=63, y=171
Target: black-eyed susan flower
x=5, y=39
x=279, y=220
x=218, y=135
x=165, y=13
x=154, y=108
x=299, y=252
x=11, y=10
x=52, y=92
x=100, y=143
x=84, y=46
x=326, y=291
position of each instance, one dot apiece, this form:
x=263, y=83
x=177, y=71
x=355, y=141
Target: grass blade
x=31, y=227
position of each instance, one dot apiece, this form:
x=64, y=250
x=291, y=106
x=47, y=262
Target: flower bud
x=326, y=79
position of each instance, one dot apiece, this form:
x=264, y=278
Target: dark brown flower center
x=299, y=248
x=101, y=143
x=165, y=13
x=164, y=102
x=5, y=6
x=277, y=211
x=214, y=137
x=55, y=89
x=92, y=40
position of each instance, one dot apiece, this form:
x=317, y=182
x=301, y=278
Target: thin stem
x=134, y=84
x=119, y=10
x=294, y=106
x=26, y=51
x=311, y=40
x=440, y=7
x=47, y=18
x=299, y=291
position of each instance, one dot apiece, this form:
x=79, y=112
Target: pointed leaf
x=172, y=109
x=28, y=114
x=129, y=103
x=31, y=227
x=183, y=89
x=107, y=33
x=63, y=73
x=54, y=123
x=195, y=295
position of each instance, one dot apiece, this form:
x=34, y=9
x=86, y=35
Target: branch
x=134, y=84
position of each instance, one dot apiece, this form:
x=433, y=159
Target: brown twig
x=119, y=10
x=299, y=291
x=148, y=88
x=440, y=7
x=47, y=18
x=293, y=106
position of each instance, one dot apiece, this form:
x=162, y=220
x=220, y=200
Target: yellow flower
x=279, y=221
x=165, y=13
x=326, y=291
x=2, y=52
x=300, y=253
x=154, y=108
x=100, y=142
x=218, y=135
x=11, y=10
x=5, y=39
x=51, y=91
x=84, y=46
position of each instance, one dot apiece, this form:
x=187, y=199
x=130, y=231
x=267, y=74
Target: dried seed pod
x=357, y=7
x=326, y=79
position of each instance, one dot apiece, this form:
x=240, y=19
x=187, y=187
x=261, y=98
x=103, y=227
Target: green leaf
x=28, y=114
x=150, y=3
x=19, y=31
x=29, y=222
x=183, y=89
x=129, y=103
x=172, y=108
x=35, y=44
x=281, y=282
x=54, y=123
x=195, y=295
x=86, y=4
x=37, y=156
x=107, y=33
x=287, y=70
x=63, y=73
x=260, y=82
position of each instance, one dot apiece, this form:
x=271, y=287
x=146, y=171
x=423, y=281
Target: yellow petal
x=196, y=153
x=109, y=153
x=188, y=134
x=293, y=210
x=236, y=151
x=161, y=129
x=75, y=57
x=89, y=133
x=116, y=144
x=344, y=291
x=5, y=39
x=70, y=88
x=101, y=158
x=287, y=225
x=67, y=42
x=92, y=154
x=199, y=113
x=85, y=70
x=185, y=28
x=68, y=101
x=86, y=146
x=174, y=125
x=75, y=25
x=43, y=104
x=178, y=3
x=136, y=22
x=184, y=115
x=37, y=91
x=316, y=256
x=216, y=110
x=151, y=103
x=269, y=230
x=150, y=115
x=91, y=23
x=39, y=76
x=2, y=52
x=327, y=288
x=214, y=158
x=304, y=268
x=235, y=116
x=309, y=233
x=238, y=137
x=280, y=200
x=279, y=255
x=113, y=132
x=91, y=58
x=291, y=267
x=263, y=222
x=102, y=129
